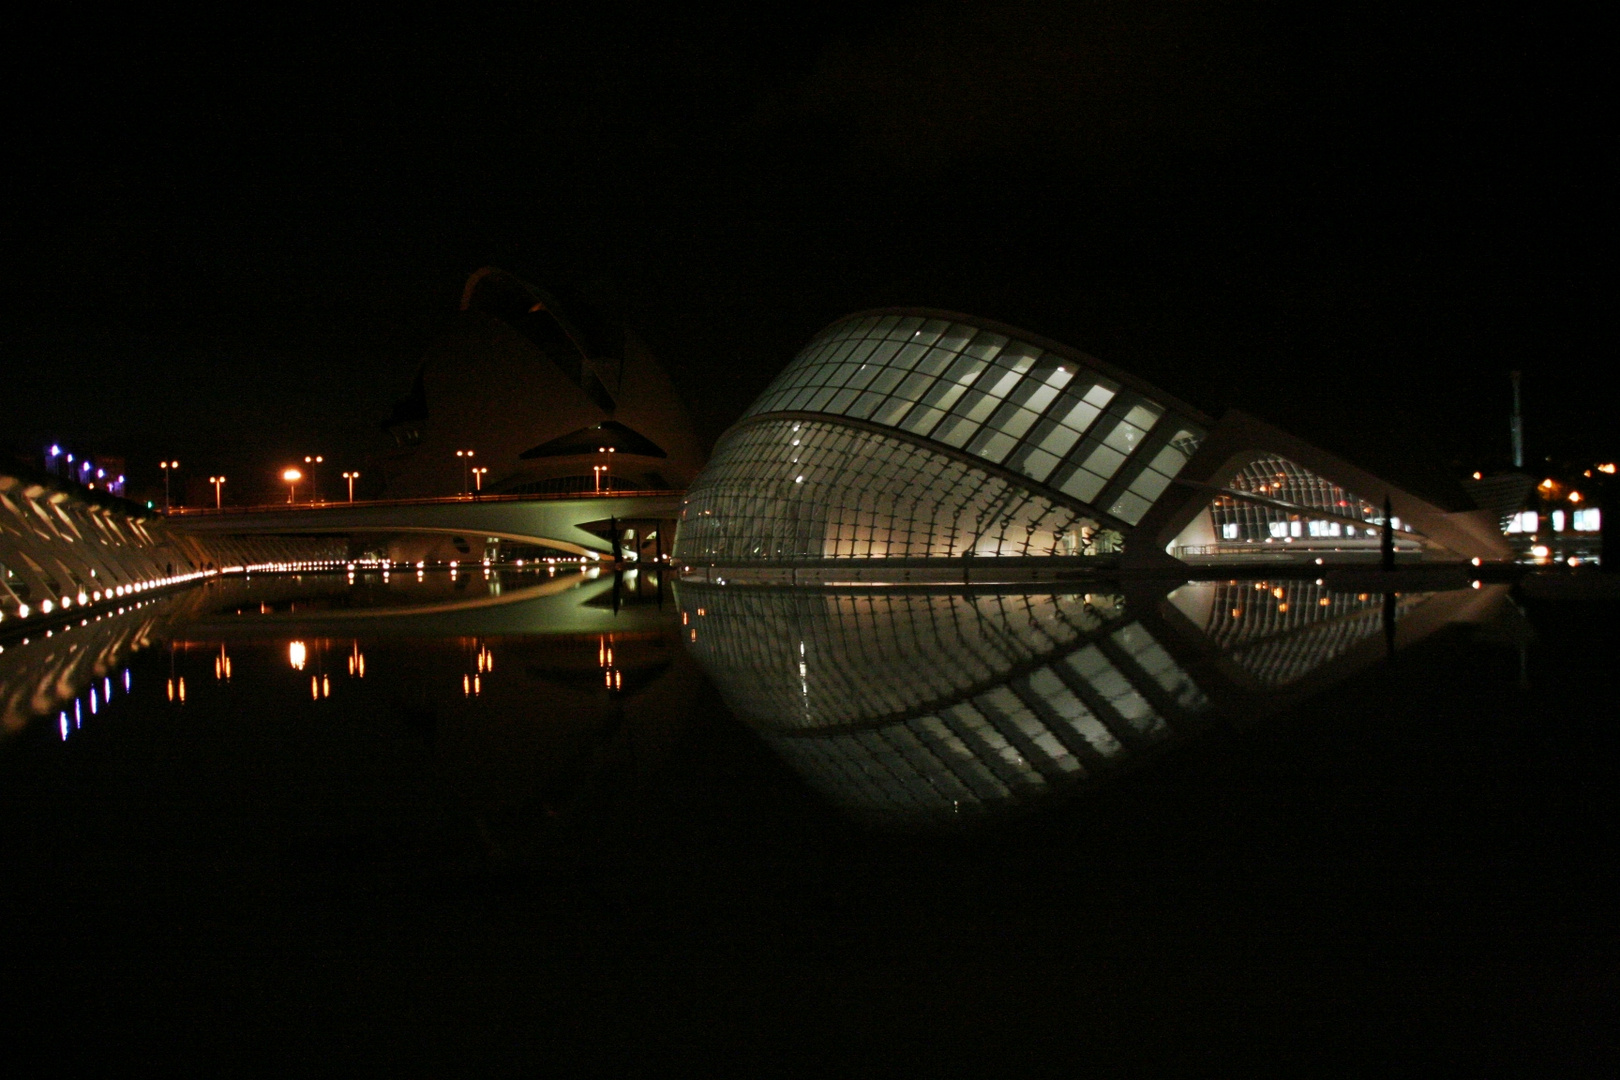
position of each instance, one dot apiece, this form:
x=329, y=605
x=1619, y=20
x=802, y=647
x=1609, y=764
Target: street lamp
x=217, y=481
x=351, y=477
x=292, y=476
x=312, y=462
x=478, y=478
x=599, y=470
x=165, y=466
x=466, y=462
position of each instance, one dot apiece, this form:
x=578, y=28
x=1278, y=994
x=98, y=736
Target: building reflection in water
x=911, y=706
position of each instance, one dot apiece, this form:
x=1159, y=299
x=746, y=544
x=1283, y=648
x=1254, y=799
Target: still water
x=445, y=812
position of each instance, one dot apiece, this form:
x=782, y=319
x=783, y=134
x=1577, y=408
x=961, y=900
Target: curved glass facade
x=941, y=438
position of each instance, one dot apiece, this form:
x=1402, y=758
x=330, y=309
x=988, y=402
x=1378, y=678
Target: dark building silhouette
x=550, y=396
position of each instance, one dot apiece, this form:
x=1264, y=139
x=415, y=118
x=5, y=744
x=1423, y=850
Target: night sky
x=229, y=242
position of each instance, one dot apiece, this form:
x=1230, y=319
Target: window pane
x=1080, y=415
x=1129, y=507
x=1036, y=463
x=1103, y=460
x=1150, y=485
x=921, y=419
x=1125, y=437
x=1058, y=440
x=956, y=430
x=1083, y=485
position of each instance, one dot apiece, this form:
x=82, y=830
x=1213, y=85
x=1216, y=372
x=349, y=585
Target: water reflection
x=914, y=706
x=907, y=705
x=309, y=616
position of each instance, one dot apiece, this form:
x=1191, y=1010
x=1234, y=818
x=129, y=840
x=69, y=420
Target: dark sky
x=228, y=241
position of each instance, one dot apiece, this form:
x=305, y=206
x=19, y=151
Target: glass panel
x=884, y=352
x=1036, y=463
x=1101, y=394
x=921, y=419
x=1125, y=437
x=1169, y=460
x=930, y=331
x=862, y=409
x=1083, y=485
x=822, y=396
x=955, y=337
x=1079, y=415
x=1102, y=460
x=986, y=345
x=891, y=410
x=841, y=401
x=956, y=430
x=1144, y=416
x=1129, y=507
x=993, y=445
x=1150, y=485
x=1057, y=440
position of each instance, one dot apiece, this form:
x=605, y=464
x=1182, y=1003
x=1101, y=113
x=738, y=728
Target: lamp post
x=599, y=470
x=217, y=481
x=313, y=461
x=466, y=463
x=166, y=466
x=292, y=476
x=351, y=477
x=478, y=480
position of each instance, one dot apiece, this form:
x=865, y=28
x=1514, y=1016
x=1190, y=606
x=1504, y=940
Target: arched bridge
x=580, y=524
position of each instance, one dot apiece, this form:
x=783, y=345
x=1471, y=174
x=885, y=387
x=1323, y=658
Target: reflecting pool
x=532, y=816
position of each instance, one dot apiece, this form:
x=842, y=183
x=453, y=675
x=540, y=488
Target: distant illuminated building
x=924, y=435
x=550, y=396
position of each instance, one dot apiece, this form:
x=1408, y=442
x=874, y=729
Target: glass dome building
x=916, y=436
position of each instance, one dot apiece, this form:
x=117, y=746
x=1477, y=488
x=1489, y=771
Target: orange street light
x=351, y=477
x=217, y=481
x=292, y=476
x=165, y=466
x=478, y=478
x=1574, y=496
x=313, y=460
x=466, y=462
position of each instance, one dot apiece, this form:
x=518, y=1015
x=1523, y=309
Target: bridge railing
x=441, y=500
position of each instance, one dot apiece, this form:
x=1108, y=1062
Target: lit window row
x=1045, y=416
x=786, y=489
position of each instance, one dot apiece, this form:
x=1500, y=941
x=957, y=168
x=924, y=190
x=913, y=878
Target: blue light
x=70, y=459
x=100, y=473
x=62, y=719
x=55, y=449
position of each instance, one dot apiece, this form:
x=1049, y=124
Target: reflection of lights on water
x=93, y=702
x=222, y=664
x=357, y=661
x=612, y=677
x=297, y=654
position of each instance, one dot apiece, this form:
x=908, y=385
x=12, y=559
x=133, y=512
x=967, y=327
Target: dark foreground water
x=541, y=821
